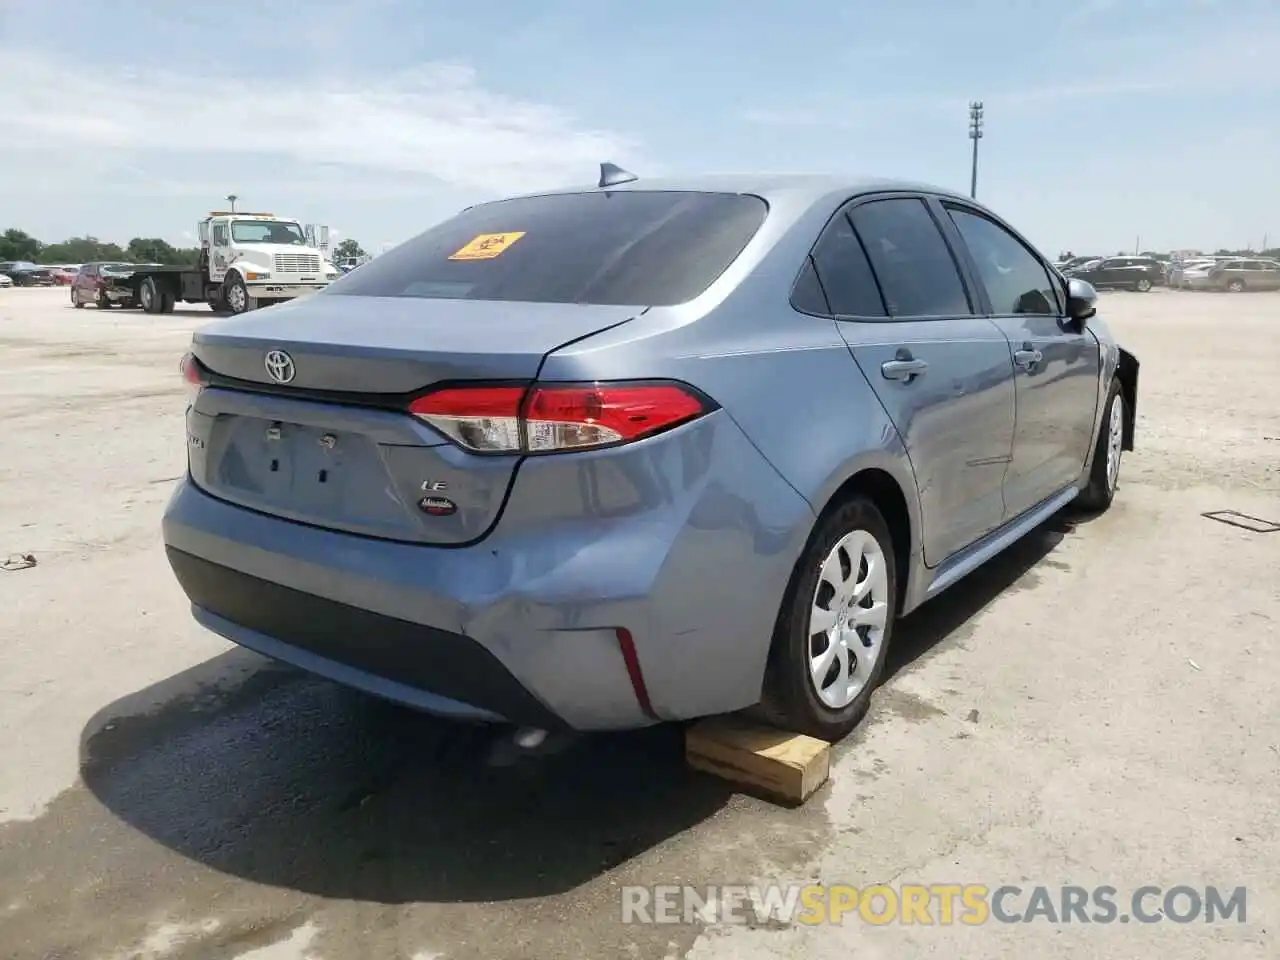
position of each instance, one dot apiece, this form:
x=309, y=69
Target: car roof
x=769, y=186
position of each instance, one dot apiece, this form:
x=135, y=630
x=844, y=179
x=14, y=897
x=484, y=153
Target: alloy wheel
x=1115, y=441
x=848, y=617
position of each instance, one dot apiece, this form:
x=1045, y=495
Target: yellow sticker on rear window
x=487, y=246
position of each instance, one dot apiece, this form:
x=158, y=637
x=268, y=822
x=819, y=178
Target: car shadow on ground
x=290, y=781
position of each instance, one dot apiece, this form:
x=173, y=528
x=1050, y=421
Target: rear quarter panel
x=787, y=379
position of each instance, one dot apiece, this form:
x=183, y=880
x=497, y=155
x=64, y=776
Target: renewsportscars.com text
x=932, y=904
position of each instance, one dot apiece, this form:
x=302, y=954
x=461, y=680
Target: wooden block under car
x=785, y=766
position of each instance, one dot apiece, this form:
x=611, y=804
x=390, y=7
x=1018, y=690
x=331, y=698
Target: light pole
x=232, y=198
x=975, y=134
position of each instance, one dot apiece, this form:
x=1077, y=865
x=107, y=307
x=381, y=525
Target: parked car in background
x=1074, y=262
x=1237, y=276
x=347, y=264
x=1182, y=274
x=1127, y=273
x=95, y=283
x=63, y=276
x=5, y=280
x=606, y=457
x=24, y=273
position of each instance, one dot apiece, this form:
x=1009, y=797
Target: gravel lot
x=1099, y=706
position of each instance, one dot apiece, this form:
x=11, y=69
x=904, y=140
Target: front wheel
x=833, y=629
x=1104, y=475
x=234, y=294
x=1236, y=286
x=1143, y=285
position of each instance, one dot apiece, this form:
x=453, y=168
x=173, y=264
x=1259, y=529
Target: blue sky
x=1106, y=120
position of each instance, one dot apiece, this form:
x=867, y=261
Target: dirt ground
x=1098, y=706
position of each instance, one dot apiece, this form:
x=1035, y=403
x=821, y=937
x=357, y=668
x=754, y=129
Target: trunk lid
x=332, y=445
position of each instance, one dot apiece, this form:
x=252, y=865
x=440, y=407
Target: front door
x=1268, y=275
x=942, y=374
x=1056, y=361
x=219, y=248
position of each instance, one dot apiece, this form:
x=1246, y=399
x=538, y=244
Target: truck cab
x=253, y=259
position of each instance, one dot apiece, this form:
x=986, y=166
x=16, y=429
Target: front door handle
x=903, y=367
x=1027, y=357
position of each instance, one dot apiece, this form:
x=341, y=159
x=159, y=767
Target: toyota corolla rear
x=454, y=480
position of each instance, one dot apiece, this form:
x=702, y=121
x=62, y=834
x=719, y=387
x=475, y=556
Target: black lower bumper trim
x=435, y=661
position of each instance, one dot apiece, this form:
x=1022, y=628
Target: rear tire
x=167, y=302
x=833, y=629
x=1235, y=286
x=1104, y=474
x=149, y=296
x=1143, y=285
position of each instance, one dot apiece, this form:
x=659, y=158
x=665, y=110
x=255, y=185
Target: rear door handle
x=1027, y=357
x=903, y=367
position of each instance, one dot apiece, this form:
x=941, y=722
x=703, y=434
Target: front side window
x=918, y=276
x=625, y=247
x=1015, y=280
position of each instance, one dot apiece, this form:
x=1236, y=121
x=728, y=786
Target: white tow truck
x=247, y=260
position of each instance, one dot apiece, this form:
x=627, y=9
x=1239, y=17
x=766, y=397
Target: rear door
x=943, y=374
x=1056, y=360
x=1269, y=276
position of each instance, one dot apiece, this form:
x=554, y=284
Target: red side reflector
x=632, y=660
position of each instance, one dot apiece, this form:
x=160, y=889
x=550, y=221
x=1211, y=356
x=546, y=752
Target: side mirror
x=1082, y=300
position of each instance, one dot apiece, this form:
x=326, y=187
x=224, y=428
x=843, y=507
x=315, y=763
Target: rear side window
x=1015, y=280
x=917, y=273
x=846, y=275
x=634, y=248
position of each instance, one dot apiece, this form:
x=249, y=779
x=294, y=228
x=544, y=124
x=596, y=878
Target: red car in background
x=94, y=284
x=63, y=276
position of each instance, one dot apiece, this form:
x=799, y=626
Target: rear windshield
x=634, y=248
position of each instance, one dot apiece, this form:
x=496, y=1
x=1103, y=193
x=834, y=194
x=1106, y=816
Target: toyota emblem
x=280, y=366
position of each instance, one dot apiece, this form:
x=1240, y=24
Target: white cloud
x=436, y=121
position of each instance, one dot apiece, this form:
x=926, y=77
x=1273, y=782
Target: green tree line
x=19, y=245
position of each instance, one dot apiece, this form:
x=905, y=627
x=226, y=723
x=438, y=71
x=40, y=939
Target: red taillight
x=546, y=418
x=193, y=375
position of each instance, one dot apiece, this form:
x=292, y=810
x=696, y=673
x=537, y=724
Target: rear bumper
x=357, y=647
x=690, y=557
